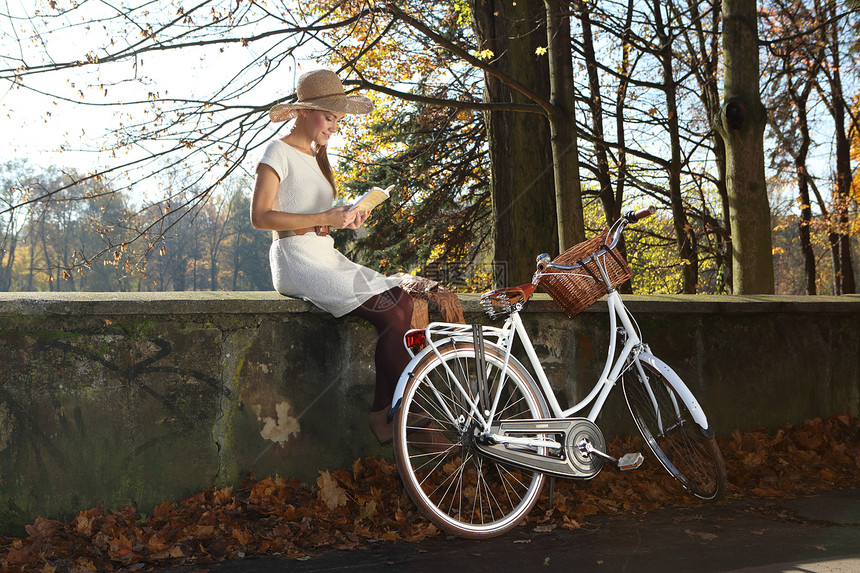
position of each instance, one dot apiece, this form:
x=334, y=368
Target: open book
x=371, y=199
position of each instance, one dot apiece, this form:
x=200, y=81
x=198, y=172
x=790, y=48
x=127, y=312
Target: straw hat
x=320, y=89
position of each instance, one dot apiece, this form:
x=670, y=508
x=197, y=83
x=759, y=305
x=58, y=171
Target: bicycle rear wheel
x=686, y=451
x=458, y=489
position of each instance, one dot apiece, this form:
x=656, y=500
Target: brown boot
x=429, y=439
x=381, y=427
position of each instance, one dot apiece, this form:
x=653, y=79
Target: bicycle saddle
x=504, y=301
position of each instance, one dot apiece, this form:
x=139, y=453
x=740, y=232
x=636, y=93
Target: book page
x=371, y=199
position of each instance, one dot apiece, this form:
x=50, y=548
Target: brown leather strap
x=448, y=304
x=424, y=290
x=420, y=313
x=321, y=230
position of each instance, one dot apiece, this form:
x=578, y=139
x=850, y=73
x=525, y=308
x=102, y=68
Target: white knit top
x=308, y=266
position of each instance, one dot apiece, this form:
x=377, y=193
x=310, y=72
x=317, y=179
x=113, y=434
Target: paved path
x=819, y=534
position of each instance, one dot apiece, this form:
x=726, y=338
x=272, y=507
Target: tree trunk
x=843, y=271
x=8, y=267
x=237, y=247
x=685, y=235
x=523, y=191
x=611, y=207
x=213, y=273
x=706, y=47
x=620, y=132
x=804, y=230
x=800, y=100
x=563, y=132
x=726, y=257
x=741, y=122
x=31, y=238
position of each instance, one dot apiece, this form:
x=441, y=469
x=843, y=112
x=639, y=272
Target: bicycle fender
x=404, y=378
x=678, y=384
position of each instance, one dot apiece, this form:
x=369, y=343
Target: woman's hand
x=360, y=218
x=344, y=218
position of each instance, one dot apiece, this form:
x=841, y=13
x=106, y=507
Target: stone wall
x=117, y=398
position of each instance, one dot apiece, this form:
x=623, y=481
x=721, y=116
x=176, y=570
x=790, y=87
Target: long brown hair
x=321, y=154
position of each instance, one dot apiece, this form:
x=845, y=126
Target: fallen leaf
x=84, y=525
x=243, y=537
x=545, y=528
x=43, y=527
x=330, y=493
x=368, y=510
x=223, y=496
x=700, y=534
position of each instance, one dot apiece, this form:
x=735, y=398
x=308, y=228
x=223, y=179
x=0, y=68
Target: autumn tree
x=88, y=219
x=13, y=191
x=440, y=223
x=807, y=41
x=526, y=103
x=660, y=149
x=833, y=94
x=741, y=123
x=797, y=62
x=491, y=83
x=217, y=132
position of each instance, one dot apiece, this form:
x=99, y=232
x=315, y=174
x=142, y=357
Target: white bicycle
x=475, y=435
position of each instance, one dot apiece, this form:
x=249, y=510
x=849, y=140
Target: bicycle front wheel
x=457, y=488
x=678, y=442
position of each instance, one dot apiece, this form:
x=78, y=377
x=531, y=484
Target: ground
x=349, y=509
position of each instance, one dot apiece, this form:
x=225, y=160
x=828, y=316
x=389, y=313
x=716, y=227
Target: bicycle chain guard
x=570, y=461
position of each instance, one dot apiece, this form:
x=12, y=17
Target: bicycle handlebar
x=632, y=216
x=627, y=218
x=544, y=262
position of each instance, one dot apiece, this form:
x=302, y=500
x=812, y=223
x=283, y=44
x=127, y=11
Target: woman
x=293, y=197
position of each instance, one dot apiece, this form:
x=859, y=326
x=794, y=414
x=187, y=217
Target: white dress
x=308, y=266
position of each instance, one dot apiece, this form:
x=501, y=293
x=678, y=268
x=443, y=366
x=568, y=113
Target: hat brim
x=352, y=104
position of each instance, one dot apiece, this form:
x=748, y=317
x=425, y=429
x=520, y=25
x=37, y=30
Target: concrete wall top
x=242, y=302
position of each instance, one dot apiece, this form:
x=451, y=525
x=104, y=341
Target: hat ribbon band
x=341, y=94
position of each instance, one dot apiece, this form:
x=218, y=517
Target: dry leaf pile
x=346, y=509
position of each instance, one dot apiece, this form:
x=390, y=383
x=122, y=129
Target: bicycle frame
x=632, y=352
x=611, y=370
x=514, y=328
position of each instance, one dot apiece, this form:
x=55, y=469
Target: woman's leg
x=391, y=314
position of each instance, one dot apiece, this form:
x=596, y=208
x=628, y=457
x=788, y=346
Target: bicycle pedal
x=630, y=461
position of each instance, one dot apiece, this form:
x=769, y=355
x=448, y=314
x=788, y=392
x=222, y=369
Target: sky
x=35, y=126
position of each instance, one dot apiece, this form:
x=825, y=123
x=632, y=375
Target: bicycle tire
x=682, y=447
x=459, y=490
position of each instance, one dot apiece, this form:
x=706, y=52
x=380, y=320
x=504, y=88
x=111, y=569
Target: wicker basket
x=574, y=291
